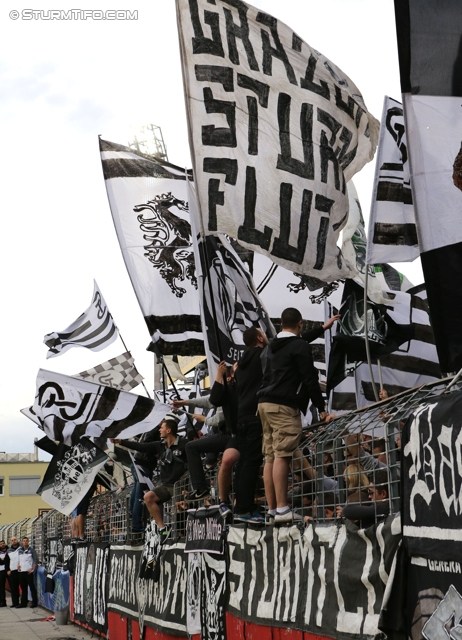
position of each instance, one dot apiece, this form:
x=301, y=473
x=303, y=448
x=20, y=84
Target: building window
x=2, y=486
x=24, y=485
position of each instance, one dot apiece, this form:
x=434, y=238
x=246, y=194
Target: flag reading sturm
x=94, y=329
x=68, y=408
x=119, y=372
x=275, y=132
x=70, y=474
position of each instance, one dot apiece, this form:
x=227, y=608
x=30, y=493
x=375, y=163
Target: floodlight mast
x=150, y=141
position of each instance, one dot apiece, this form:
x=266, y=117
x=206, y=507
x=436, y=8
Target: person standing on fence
x=171, y=455
x=27, y=564
x=290, y=379
x=13, y=577
x=4, y=568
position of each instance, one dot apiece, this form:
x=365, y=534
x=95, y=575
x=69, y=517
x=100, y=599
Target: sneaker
x=33, y=605
x=251, y=518
x=224, y=509
x=194, y=496
x=269, y=518
x=81, y=539
x=164, y=534
x=287, y=516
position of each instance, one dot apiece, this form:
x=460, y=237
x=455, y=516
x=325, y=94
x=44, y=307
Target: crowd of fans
x=258, y=405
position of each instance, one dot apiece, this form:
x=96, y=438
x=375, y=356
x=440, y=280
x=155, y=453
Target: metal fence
x=342, y=464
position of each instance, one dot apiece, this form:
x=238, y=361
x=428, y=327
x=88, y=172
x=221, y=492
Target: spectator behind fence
x=365, y=515
x=290, y=379
x=224, y=441
x=357, y=484
x=356, y=452
x=27, y=565
x=171, y=455
x=4, y=568
x=13, y=577
x=146, y=463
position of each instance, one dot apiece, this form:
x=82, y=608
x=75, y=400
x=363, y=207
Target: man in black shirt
x=171, y=455
x=290, y=379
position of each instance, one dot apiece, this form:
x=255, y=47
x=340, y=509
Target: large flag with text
x=276, y=130
x=68, y=408
x=429, y=35
x=94, y=329
x=149, y=207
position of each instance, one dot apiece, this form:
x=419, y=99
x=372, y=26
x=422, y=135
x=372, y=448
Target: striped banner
x=94, y=329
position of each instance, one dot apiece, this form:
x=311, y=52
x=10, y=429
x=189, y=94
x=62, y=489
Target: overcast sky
x=62, y=84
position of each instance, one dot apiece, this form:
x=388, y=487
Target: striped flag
x=431, y=82
x=94, y=329
x=413, y=364
x=68, y=408
x=119, y=372
x=392, y=229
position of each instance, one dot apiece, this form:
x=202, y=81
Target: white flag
x=69, y=408
x=94, y=329
x=392, y=228
x=276, y=130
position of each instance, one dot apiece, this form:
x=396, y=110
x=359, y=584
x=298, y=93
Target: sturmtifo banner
x=276, y=130
x=149, y=207
x=68, y=408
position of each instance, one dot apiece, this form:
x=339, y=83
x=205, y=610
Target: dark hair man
x=290, y=379
x=12, y=572
x=27, y=564
x=171, y=455
x=4, y=568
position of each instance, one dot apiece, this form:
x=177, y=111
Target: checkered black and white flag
x=119, y=372
x=68, y=408
x=94, y=329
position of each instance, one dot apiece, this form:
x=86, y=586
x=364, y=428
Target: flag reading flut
x=275, y=131
x=429, y=35
x=94, y=329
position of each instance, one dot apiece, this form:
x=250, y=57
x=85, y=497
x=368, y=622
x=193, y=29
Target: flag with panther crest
x=149, y=207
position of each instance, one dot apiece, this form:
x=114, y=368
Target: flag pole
x=379, y=367
x=366, y=336
x=165, y=369
x=126, y=349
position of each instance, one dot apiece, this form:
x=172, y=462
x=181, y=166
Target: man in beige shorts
x=290, y=379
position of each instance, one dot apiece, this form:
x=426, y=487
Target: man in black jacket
x=171, y=455
x=4, y=568
x=290, y=379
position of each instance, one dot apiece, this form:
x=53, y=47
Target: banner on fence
x=90, y=585
x=205, y=529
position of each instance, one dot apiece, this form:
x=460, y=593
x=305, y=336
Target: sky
x=62, y=83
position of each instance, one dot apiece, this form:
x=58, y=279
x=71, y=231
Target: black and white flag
x=94, y=329
x=276, y=130
x=142, y=478
x=414, y=363
x=392, y=229
x=70, y=475
x=119, y=372
x=68, y=408
x=431, y=82
x=149, y=206
x=229, y=300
